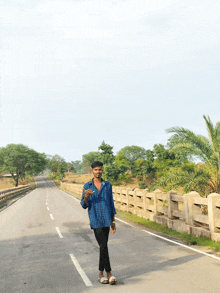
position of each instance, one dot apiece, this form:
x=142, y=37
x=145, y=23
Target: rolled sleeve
x=83, y=204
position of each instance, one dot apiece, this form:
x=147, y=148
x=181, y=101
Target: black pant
x=101, y=235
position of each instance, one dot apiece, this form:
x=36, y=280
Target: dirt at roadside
x=83, y=178
x=6, y=183
x=77, y=178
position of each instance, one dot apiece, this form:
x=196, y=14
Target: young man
x=97, y=197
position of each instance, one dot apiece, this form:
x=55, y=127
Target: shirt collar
x=91, y=182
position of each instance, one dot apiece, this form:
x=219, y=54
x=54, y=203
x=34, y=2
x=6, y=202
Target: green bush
x=58, y=177
x=126, y=178
x=142, y=185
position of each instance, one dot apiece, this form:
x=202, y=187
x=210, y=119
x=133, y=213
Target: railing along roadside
x=76, y=189
x=189, y=213
x=12, y=192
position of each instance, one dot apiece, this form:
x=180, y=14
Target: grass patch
x=6, y=201
x=201, y=241
x=3, y=203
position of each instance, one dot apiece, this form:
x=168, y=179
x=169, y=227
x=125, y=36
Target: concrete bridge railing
x=188, y=213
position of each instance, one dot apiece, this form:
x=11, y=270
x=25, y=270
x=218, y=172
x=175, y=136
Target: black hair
x=96, y=164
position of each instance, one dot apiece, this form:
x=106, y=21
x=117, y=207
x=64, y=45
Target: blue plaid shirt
x=100, y=204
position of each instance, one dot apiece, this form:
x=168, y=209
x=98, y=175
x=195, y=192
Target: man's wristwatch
x=113, y=222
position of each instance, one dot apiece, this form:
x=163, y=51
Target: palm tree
x=206, y=149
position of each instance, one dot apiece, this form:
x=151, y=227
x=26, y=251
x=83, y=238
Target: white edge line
x=80, y=271
x=180, y=244
x=201, y=252
x=59, y=233
x=124, y=222
x=52, y=218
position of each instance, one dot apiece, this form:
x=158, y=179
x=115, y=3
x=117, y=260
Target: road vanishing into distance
x=46, y=245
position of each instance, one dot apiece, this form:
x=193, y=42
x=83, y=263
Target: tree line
x=189, y=161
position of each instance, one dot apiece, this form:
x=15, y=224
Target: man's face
x=97, y=172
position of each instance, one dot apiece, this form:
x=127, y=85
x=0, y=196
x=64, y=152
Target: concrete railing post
x=171, y=204
x=157, y=203
x=135, y=201
x=192, y=209
x=127, y=198
x=121, y=199
x=145, y=202
x=186, y=208
x=212, y=199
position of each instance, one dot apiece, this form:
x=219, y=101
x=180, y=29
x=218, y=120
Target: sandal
x=103, y=280
x=112, y=280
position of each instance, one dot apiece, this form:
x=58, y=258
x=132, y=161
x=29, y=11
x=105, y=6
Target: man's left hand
x=113, y=228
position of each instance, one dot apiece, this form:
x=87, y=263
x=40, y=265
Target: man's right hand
x=88, y=192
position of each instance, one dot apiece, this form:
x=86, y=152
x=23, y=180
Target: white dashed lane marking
x=59, y=233
x=52, y=218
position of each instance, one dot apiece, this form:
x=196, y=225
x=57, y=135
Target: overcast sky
x=75, y=73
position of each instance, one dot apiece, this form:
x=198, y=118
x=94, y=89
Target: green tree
x=113, y=172
x=106, y=153
x=77, y=167
x=132, y=154
x=163, y=159
x=161, y=153
x=145, y=171
x=21, y=161
x=121, y=160
x=206, y=149
x=150, y=155
x=57, y=165
x=91, y=157
x=189, y=176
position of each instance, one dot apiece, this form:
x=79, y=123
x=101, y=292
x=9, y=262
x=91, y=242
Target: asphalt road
x=46, y=245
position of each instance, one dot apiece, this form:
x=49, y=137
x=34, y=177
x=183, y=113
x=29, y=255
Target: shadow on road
x=37, y=264
x=42, y=263
x=44, y=182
